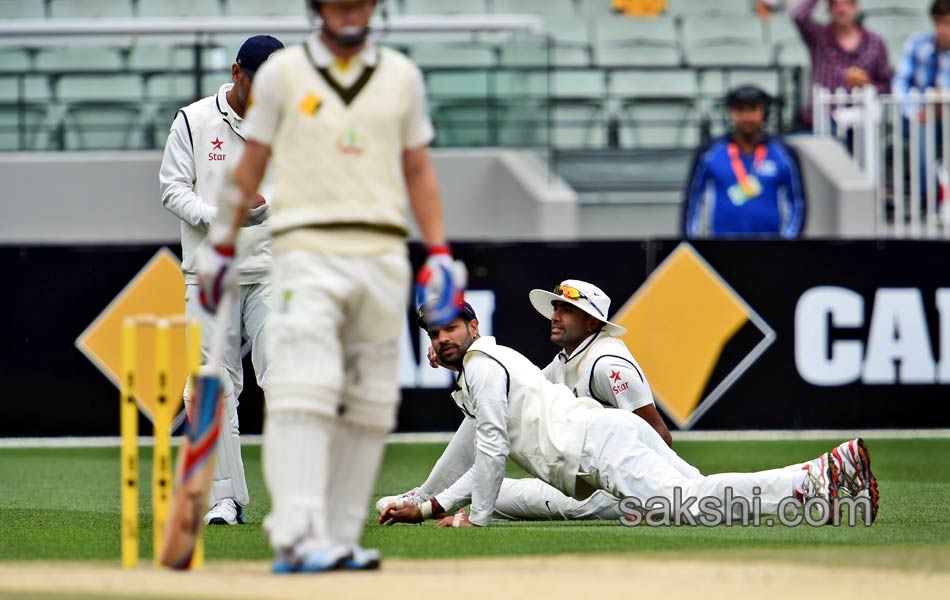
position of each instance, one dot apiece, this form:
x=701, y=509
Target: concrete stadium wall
x=488, y=195
x=113, y=197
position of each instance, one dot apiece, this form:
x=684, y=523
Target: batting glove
x=214, y=264
x=440, y=286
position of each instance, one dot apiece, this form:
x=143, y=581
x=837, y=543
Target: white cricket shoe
x=413, y=496
x=821, y=481
x=855, y=478
x=225, y=512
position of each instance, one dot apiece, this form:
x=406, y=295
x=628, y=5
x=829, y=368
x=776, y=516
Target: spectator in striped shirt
x=843, y=53
x=925, y=62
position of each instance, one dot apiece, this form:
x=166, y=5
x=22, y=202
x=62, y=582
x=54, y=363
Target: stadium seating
x=22, y=9
x=787, y=45
x=258, y=8
x=181, y=8
x=443, y=7
x=548, y=8
x=701, y=7
x=455, y=55
x=626, y=41
x=725, y=40
x=91, y=125
x=82, y=9
x=22, y=127
x=78, y=58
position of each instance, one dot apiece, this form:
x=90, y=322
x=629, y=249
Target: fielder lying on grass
x=594, y=363
x=579, y=448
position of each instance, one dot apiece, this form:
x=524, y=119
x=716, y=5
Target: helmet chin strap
x=349, y=37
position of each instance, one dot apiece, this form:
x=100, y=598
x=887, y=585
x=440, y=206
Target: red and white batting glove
x=214, y=265
x=440, y=286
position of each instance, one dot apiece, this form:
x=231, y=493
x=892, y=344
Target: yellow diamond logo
x=692, y=333
x=159, y=290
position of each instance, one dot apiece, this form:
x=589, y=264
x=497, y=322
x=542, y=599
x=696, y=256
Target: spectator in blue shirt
x=746, y=183
x=925, y=62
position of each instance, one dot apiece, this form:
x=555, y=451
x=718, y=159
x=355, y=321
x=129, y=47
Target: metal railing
x=903, y=147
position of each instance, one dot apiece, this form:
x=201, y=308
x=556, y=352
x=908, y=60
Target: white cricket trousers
x=248, y=317
x=626, y=457
x=333, y=344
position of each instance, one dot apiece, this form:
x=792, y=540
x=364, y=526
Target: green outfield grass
x=63, y=504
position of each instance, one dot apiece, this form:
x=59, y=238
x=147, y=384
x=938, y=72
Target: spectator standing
x=843, y=53
x=925, y=62
x=745, y=183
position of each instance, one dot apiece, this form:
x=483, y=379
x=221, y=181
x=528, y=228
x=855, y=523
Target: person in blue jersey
x=746, y=183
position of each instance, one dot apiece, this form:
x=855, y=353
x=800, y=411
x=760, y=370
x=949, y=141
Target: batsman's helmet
x=349, y=37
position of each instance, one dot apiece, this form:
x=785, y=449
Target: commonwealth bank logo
x=692, y=333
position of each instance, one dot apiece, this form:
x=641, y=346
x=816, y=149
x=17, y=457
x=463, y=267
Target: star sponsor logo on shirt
x=217, y=144
x=619, y=386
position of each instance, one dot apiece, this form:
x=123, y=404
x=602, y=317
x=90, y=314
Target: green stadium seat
x=85, y=9
x=572, y=41
x=444, y=7
x=73, y=58
x=13, y=58
x=788, y=49
x=469, y=122
x=679, y=83
x=34, y=88
x=103, y=125
x=268, y=8
x=578, y=83
x=547, y=8
x=455, y=55
x=577, y=123
x=457, y=84
x=212, y=82
x=22, y=9
x=701, y=7
x=627, y=41
x=171, y=88
x=22, y=127
x=877, y=7
x=73, y=87
x=896, y=28
x=151, y=57
x=659, y=123
x=721, y=40
x=180, y=8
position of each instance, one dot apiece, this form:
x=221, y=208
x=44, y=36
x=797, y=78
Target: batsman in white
x=578, y=447
x=593, y=363
x=343, y=124
x=207, y=139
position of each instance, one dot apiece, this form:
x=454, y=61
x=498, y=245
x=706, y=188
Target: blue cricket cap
x=255, y=50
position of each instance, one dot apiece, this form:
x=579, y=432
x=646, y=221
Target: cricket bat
x=195, y=470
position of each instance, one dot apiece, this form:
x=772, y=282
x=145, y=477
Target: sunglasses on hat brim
x=572, y=293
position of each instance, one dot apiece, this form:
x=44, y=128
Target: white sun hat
x=585, y=296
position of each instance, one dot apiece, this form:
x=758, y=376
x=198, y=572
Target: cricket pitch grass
x=59, y=538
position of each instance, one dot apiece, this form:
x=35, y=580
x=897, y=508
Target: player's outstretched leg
x=534, y=500
x=855, y=479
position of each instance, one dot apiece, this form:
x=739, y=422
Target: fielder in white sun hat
x=585, y=296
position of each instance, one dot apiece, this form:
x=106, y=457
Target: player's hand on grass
x=459, y=519
x=259, y=212
x=408, y=513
